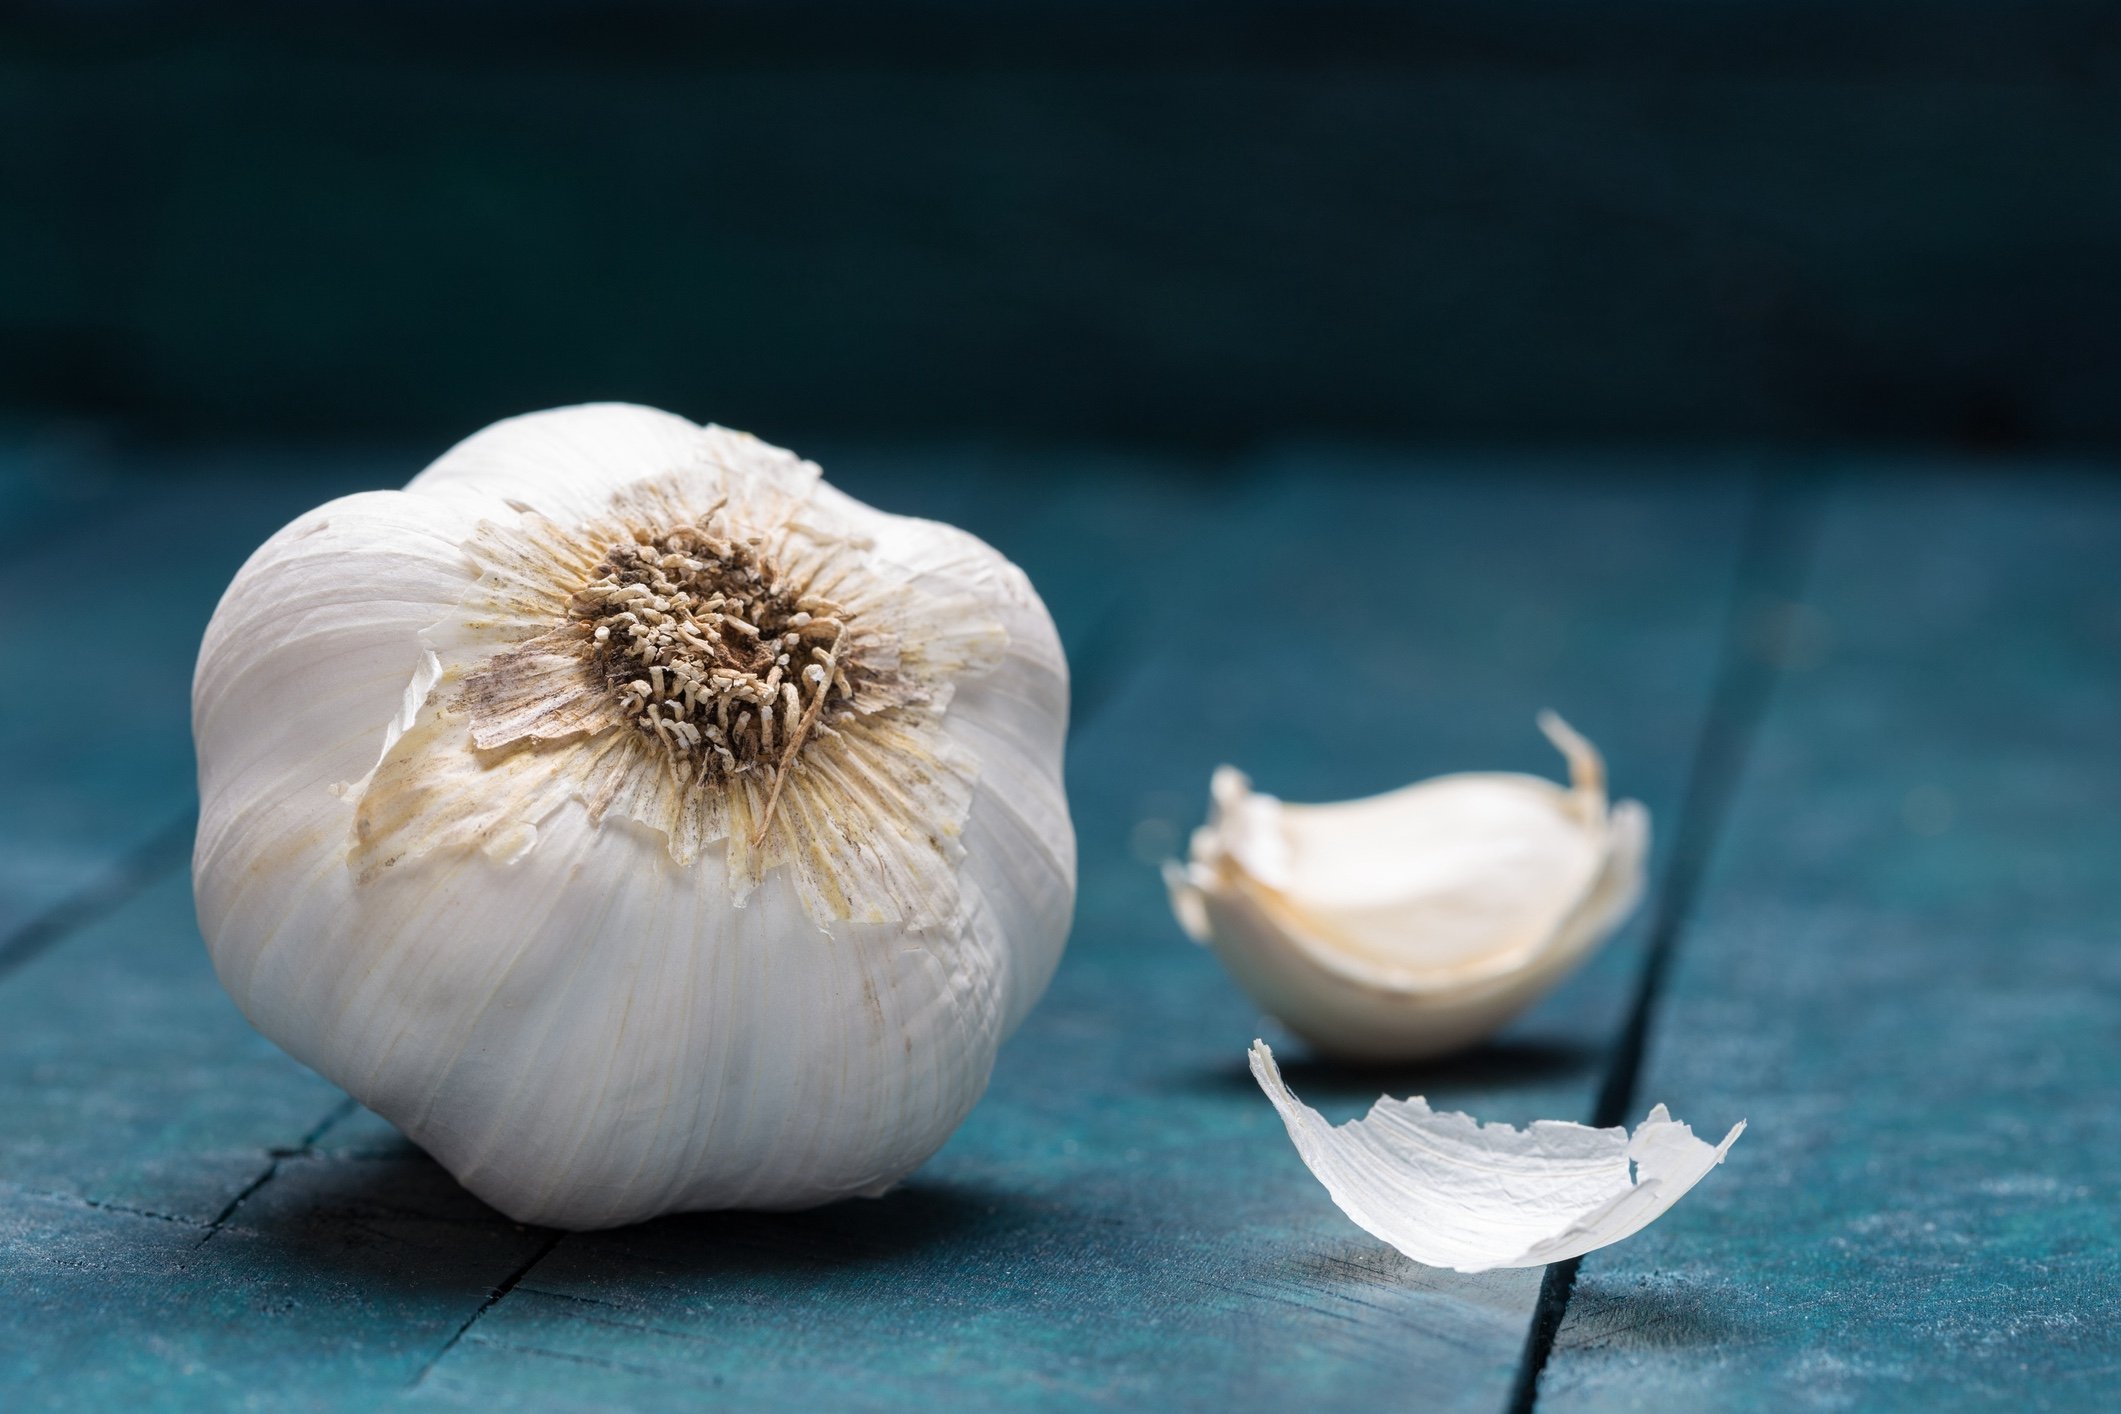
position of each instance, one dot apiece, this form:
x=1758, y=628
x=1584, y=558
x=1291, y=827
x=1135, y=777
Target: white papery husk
x=1412, y=924
x=594, y=996
x=1449, y=1191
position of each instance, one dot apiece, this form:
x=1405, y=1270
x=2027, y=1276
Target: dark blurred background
x=1181, y=224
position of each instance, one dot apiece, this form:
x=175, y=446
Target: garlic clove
x=567, y=462
x=587, y=1037
x=1019, y=864
x=305, y=668
x=1418, y=922
x=1449, y=1191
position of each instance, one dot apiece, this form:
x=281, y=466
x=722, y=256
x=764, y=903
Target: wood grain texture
x=302, y=1308
x=167, y=1231
x=1122, y=1221
x=1903, y=972
x=184, y=1212
x=190, y=1217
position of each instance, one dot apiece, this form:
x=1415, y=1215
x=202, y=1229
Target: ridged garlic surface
x=637, y=822
x=1418, y=922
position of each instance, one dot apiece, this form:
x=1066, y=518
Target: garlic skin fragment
x=1419, y=922
x=1449, y=1191
x=616, y=901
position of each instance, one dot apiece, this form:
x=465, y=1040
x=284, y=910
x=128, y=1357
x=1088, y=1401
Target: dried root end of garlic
x=1449, y=1191
x=633, y=819
x=1415, y=923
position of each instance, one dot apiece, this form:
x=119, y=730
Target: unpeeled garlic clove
x=1418, y=922
x=1449, y=1191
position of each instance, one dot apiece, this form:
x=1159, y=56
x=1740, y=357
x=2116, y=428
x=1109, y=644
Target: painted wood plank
x=139, y=1114
x=1122, y=1222
x=1121, y=1214
x=145, y=1257
x=1903, y=972
x=100, y=764
x=131, y=1080
x=179, y=1119
x=307, y=1308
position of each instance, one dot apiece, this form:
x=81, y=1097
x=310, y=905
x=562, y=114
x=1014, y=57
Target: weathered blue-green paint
x=1904, y=972
x=168, y=1179
x=311, y=1304
x=112, y=586
x=1122, y=1221
x=165, y=1238
x=132, y=1080
x=137, y=1111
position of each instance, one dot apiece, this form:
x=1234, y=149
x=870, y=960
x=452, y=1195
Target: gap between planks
x=1781, y=533
x=302, y=1149
x=134, y=873
x=493, y=1299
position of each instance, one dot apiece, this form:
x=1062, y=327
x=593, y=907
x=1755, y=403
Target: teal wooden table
x=1874, y=707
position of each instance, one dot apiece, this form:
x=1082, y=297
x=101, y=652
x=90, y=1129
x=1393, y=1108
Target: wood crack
x=79, y=1200
x=1780, y=533
x=305, y=1148
x=493, y=1299
x=162, y=852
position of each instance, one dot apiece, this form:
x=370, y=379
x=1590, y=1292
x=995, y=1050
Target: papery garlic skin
x=1416, y=923
x=1449, y=1191
x=593, y=988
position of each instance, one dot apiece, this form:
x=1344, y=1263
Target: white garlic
x=1449, y=1191
x=1414, y=923
x=634, y=820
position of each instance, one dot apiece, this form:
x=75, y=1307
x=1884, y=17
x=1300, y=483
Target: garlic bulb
x=634, y=820
x=1414, y=923
x=1449, y=1191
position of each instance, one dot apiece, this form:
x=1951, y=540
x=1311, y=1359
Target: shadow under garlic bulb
x=637, y=822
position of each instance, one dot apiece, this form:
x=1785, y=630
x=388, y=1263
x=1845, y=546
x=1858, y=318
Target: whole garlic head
x=634, y=820
x=1415, y=923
